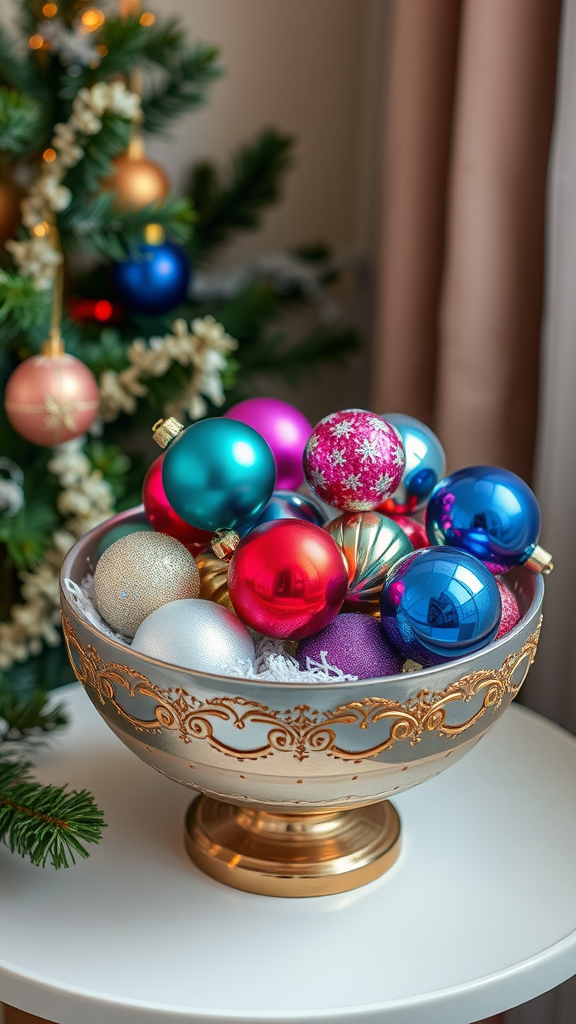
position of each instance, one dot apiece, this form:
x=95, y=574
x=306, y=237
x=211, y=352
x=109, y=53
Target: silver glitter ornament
x=140, y=573
x=199, y=634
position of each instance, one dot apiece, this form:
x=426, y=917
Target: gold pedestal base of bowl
x=314, y=854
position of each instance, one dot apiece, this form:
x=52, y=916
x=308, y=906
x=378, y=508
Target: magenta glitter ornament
x=510, y=610
x=286, y=431
x=354, y=460
x=355, y=644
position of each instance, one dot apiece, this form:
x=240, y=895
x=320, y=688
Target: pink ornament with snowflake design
x=354, y=460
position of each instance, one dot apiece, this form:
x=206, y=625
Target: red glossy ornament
x=163, y=517
x=51, y=398
x=412, y=528
x=287, y=579
x=510, y=610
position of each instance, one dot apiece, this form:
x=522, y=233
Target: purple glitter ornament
x=355, y=644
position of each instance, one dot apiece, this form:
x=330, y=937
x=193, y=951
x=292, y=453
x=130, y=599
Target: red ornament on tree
x=163, y=517
x=51, y=398
x=412, y=528
x=287, y=579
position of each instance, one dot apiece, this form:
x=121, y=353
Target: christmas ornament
x=287, y=579
x=425, y=465
x=414, y=530
x=353, y=643
x=117, y=532
x=490, y=513
x=10, y=196
x=284, y=428
x=287, y=505
x=213, y=579
x=137, y=181
x=371, y=545
x=51, y=398
x=156, y=282
x=138, y=574
x=163, y=517
x=354, y=460
x=510, y=610
x=217, y=474
x=198, y=635
x=438, y=604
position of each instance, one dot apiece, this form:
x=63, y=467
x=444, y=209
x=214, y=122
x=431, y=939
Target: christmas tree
x=96, y=256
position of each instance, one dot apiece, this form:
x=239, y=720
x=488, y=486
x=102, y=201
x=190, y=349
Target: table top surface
x=478, y=914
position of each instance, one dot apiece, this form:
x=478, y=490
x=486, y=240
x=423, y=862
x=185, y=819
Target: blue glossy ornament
x=438, y=604
x=489, y=512
x=425, y=465
x=218, y=474
x=287, y=505
x=157, y=282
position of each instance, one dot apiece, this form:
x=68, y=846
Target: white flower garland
x=38, y=256
x=87, y=499
x=204, y=347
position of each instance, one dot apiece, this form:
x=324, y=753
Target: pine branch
x=47, y=824
x=27, y=534
x=322, y=346
x=22, y=306
x=96, y=163
x=16, y=65
x=253, y=184
x=101, y=228
x=183, y=88
x=21, y=123
x=23, y=720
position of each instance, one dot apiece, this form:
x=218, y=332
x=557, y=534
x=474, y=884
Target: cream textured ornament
x=140, y=573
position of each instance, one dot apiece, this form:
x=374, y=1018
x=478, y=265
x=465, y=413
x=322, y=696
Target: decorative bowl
x=296, y=776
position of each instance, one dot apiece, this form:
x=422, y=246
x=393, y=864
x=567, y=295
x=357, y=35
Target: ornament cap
x=164, y=431
x=53, y=347
x=224, y=544
x=540, y=561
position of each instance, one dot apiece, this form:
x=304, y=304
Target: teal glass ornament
x=218, y=474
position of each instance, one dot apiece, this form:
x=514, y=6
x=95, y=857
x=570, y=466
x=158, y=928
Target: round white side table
x=477, y=915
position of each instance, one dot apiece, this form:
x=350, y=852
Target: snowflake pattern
x=354, y=460
x=337, y=457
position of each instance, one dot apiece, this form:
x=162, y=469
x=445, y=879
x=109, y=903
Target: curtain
x=470, y=104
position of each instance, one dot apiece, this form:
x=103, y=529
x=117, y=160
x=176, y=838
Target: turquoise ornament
x=218, y=473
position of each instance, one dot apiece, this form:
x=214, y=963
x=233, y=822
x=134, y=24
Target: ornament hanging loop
x=164, y=431
x=54, y=346
x=224, y=544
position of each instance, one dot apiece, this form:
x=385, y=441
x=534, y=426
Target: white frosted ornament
x=140, y=573
x=199, y=634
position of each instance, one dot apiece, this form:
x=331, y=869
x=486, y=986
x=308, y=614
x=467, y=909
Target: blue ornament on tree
x=217, y=474
x=155, y=283
x=438, y=604
x=490, y=513
x=287, y=505
x=425, y=465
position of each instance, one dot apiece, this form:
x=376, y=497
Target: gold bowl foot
x=276, y=854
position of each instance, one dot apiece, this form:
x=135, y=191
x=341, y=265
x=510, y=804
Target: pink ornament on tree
x=354, y=460
x=51, y=398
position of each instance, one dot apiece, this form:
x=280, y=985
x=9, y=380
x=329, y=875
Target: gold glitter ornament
x=214, y=579
x=371, y=544
x=140, y=573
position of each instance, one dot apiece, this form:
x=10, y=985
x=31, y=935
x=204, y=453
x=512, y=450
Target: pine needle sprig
x=22, y=306
x=28, y=720
x=21, y=123
x=47, y=824
x=102, y=228
x=16, y=65
x=253, y=183
x=182, y=88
